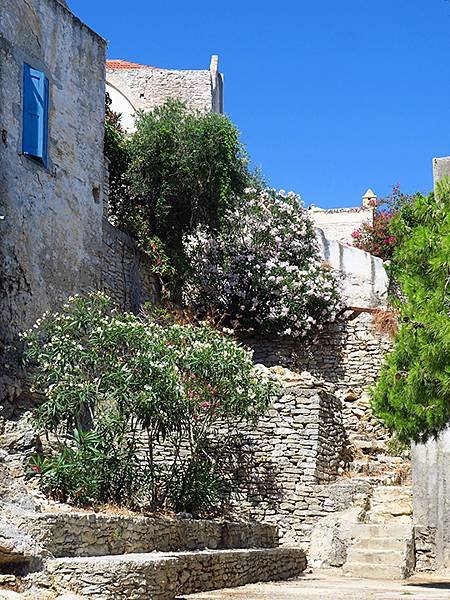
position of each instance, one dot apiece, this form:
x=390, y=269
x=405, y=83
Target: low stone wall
x=126, y=271
x=299, y=508
x=96, y=534
x=166, y=576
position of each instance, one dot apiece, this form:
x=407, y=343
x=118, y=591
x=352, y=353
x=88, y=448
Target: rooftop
x=118, y=63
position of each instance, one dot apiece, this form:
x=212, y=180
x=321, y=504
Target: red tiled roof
x=124, y=64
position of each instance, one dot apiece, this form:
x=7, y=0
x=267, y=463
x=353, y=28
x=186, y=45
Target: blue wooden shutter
x=35, y=113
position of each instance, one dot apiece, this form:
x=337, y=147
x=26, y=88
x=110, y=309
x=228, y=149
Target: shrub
x=412, y=395
x=127, y=385
x=262, y=269
x=378, y=238
x=116, y=151
x=184, y=169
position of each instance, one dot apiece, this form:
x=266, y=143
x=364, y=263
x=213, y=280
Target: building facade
x=134, y=87
x=52, y=74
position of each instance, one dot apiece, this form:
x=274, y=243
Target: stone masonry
x=133, y=87
x=126, y=271
x=49, y=237
x=347, y=354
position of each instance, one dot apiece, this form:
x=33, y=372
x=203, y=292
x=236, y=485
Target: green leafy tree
x=185, y=168
x=412, y=395
x=116, y=151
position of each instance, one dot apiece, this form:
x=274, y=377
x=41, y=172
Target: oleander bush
x=261, y=271
x=122, y=392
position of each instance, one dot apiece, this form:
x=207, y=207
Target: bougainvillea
x=262, y=269
x=378, y=237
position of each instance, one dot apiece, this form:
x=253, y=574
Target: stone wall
x=50, y=245
x=291, y=455
x=431, y=500
x=348, y=354
x=126, y=271
x=135, y=87
x=98, y=534
x=162, y=576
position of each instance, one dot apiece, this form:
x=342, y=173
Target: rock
x=10, y=595
x=330, y=538
x=15, y=546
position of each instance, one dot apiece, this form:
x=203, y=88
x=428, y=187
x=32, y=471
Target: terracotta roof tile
x=124, y=64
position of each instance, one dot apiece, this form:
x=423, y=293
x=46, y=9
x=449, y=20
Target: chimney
x=369, y=200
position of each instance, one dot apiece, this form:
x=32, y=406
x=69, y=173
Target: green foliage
x=184, y=169
x=412, y=395
x=129, y=386
x=116, y=151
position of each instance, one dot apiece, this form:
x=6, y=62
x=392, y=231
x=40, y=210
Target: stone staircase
x=109, y=556
x=383, y=546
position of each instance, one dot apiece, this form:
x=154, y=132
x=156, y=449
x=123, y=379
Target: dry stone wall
x=293, y=457
x=127, y=275
x=347, y=354
x=98, y=534
x=167, y=576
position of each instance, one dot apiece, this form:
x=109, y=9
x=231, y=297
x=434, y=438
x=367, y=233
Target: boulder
x=330, y=538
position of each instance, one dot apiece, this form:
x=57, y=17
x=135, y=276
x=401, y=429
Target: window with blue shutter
x=35, y=114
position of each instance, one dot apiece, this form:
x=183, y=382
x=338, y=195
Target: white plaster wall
x=339, y=224
x=363, y=277
x=122, y=105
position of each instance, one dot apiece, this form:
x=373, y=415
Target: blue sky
x=330, y=97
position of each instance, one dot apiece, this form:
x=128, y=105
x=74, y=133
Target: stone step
x=163, y=576
x=392, y=492
x=368, y=446
x=380, y=543
x=375, y=557
x=374, y=571
x=391, y=503
x=399, y=531
x=98, y=534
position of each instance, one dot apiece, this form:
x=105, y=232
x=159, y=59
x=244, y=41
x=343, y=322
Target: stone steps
x=163, y=576
x=376, y=557
x=368, y=571
x=380, y=550
x=380, y=543
x=391, y=503
x=362, y=531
